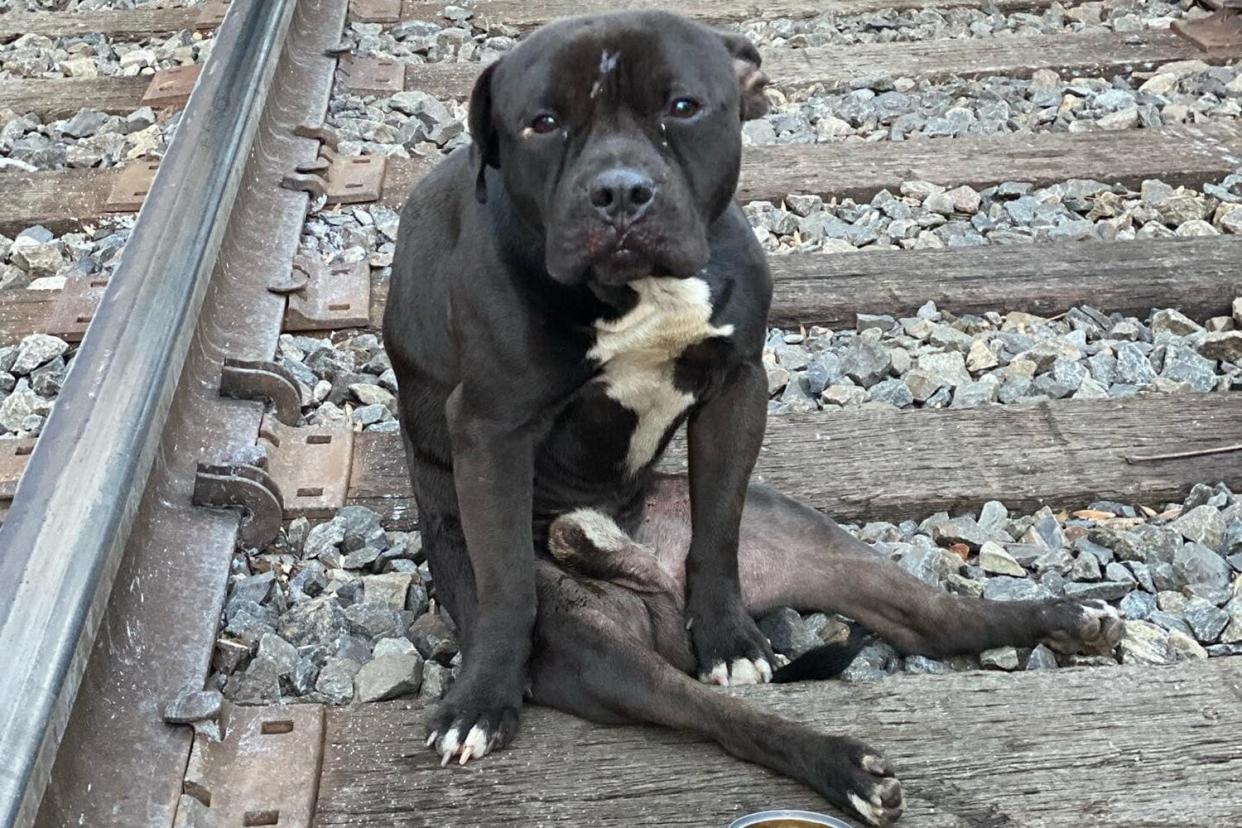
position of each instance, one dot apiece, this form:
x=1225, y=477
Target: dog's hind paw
x=1093, y=627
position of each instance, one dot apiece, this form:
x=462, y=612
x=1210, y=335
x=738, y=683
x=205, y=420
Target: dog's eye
x=684, y=108
x=545, y=123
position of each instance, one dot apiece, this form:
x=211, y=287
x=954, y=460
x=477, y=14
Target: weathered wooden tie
x=1108, y=747
x=902, y=465
x=527, y=14
x=838, y=68
x=117, y=23
x=1198, y=276
x=1177, y=155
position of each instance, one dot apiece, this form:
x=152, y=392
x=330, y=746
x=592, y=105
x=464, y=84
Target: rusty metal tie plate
x=75, y=307
x=310, y=465
x=345, y=179
x=378, y=76
x=330, y=297
x=130, y=187
x=265, y=771
x=211, y=15
x=375, y=11
x=14, y=455
x=171, y=87
x=1222, y=29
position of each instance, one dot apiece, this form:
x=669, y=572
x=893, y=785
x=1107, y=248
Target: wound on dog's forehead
x=607, y=63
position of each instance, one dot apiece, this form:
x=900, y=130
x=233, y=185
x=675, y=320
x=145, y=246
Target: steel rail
x=68, y=525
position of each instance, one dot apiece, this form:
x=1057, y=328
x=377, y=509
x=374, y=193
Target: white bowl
x=760, y=819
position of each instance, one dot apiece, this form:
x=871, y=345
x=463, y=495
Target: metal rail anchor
x=338, y=179
x=1219, y=30
x=251, y=488
x=263, y=380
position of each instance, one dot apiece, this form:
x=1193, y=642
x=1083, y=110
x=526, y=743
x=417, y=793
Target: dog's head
x=618, y=140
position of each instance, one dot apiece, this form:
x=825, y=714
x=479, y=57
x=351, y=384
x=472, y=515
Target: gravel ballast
x=931, y=360
x=413, y=122
x=344, y=611
x=38, y=259
x=93, y=5
x=459, y=37
x=937, y=360
x=33, y=369
x=32, y=373
x=87, y=139
x=96, y=55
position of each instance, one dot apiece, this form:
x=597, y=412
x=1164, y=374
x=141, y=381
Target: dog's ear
x=485, y=149
x=750, y=80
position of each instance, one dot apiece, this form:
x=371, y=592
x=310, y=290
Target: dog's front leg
x=725, y=433
x=492, y=472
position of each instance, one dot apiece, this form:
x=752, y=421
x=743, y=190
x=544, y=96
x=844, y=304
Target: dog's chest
x=638, y=354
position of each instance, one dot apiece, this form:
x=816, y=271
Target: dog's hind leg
x=791, y=555
x=588, y=662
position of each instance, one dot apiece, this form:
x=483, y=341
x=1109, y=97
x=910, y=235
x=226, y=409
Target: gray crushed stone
x=333, y=613
x=31, y=375
x=33, y=370
x=923, y=215
x=458, y=36
x=885, y=108
x=935, y=359
x=96, y=55
x=37, y=259
x=412, y=122
x=86, y=139
x=93, y=5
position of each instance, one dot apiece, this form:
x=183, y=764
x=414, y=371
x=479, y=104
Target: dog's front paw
x=471, y=723
x=730, y=648
x=856, y=778
x=1089, y=627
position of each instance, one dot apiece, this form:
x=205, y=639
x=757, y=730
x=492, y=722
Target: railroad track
x=231, y=360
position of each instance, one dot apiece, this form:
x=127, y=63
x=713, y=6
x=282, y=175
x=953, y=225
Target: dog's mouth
x=612, y=257
x=599, y=253
x=621, y=265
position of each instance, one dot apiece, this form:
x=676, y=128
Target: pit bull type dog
x=566, y=293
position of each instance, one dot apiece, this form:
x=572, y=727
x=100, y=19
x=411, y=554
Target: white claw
x=743, y=672
x=765, y=669
x=719, y=674
x=449, y=746
x=478, y=742
x=873, y=764
x=465, y=756
x=864, y=808
x=431, y=740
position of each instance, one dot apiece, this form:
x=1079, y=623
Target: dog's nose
x=622, y=195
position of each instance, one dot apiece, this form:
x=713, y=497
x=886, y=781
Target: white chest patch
x=639, y=354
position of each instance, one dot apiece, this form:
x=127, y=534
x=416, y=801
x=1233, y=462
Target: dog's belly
x=638, y=355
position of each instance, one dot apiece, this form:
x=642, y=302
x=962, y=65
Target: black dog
x=565, y=295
